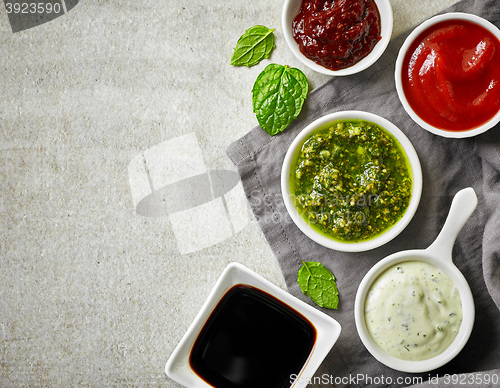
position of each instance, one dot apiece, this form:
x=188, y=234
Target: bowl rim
x=399, y=65
x=327, y=329
x=291, y=9
x=468, y=311
x=387, y=235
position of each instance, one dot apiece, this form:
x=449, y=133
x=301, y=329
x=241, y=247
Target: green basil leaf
x=318, y=283
x=278, y=95
x=253, y=46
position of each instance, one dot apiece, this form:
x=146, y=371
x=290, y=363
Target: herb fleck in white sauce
x=413, y=311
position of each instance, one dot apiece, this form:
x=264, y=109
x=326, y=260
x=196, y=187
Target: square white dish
x=327, y=329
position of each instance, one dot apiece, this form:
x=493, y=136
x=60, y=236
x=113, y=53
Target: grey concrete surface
x=93, y=293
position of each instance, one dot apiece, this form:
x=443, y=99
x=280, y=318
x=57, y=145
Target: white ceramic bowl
x=391, y=232
x=291, y=9
x=439, y=254
x=399, y=67
x=327, y=329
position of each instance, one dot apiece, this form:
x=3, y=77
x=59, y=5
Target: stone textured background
x=91, y=293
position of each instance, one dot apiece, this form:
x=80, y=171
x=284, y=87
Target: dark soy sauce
x=251, y=340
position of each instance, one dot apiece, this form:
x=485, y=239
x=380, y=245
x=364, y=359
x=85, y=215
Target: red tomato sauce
x=337, y=34
x=451, y=75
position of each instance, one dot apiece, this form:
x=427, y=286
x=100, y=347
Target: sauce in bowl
x=252, y=339
x=337, y=34
x=451, y=75
x=351, y=180
x=413, y=311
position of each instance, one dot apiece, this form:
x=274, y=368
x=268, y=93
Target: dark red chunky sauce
x=337, y=33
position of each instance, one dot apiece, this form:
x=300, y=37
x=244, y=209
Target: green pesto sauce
x=351, y=180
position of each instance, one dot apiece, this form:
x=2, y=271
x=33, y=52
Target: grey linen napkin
x=448, y=165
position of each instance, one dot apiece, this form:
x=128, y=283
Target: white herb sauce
x=413, y=311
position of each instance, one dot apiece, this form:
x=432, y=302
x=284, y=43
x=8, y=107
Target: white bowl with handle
x=439, y=255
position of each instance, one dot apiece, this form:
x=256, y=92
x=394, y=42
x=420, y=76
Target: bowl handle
x=463, y=205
